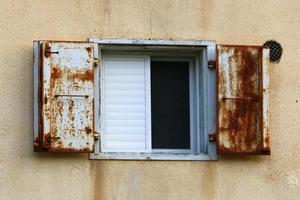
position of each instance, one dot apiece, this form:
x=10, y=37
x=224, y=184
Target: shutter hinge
x=96, y=135
x=48, y=50
x=211, y=64
x=55, y=138
x=96, y=62
x=49, y=138
x=212, y=137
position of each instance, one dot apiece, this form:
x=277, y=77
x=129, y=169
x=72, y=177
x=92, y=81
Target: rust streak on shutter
x=265, y=102
x=239, y=100
x=66, y=97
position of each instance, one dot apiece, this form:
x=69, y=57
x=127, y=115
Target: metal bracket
x=51, y=52
x=96, y=135
x=54, y=138
x=48, y=50
x=211, y=64
x=212, y=137
x=96, y=62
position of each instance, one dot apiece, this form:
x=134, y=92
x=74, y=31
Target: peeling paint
x=67, y=90
x=240, y=123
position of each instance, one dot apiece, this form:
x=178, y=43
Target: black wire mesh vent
x=275, y=50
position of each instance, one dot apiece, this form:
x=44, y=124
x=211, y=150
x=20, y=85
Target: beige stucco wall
x=28, y=175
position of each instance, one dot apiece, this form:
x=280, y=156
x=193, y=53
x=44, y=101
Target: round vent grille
x=275, y=50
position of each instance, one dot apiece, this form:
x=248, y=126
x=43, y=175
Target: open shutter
x=242, y=100
x=64, y=96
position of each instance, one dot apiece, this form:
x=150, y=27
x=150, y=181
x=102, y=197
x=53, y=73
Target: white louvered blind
x=125, y=104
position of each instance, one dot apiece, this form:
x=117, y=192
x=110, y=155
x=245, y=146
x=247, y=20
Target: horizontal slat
x=129, y=103
x=125, y=123
x=126, y=81
x=125, y=138
x=125, y=108
x=124, y=64
x=125, y=145
x=122, y=130
x=124, y=116
x=126, y=94
x=124, y=86
x=129, y=79
x=125, y=101
x=124, y=72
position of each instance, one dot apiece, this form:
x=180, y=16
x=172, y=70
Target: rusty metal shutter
x=65, y=96
x=242, y=100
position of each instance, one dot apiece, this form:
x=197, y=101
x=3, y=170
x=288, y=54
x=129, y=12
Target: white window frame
x=207, y=79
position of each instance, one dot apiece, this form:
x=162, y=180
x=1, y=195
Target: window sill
x=150, y=156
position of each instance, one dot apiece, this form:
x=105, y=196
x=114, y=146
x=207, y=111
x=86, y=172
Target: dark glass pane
x=170, y=105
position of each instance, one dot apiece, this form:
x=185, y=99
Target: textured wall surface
x=28, y=175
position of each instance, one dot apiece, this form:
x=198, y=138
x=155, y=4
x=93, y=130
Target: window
x=151, y=99
x=152, y=103
x=148, y=102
